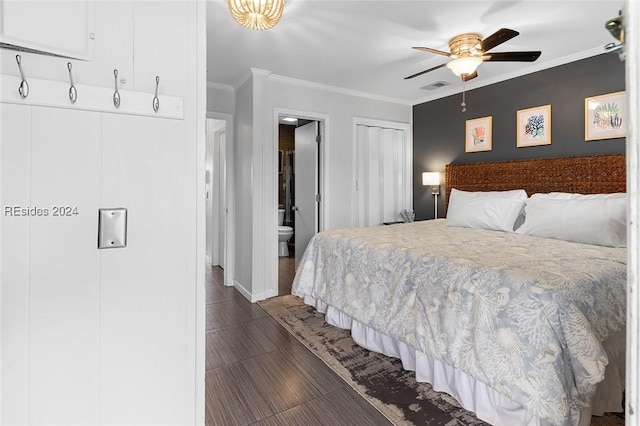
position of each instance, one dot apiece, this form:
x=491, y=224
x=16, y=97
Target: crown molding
x=220, y=86
x=336, y=89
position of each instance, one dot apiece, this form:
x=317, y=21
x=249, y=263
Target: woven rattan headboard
x=586, y=175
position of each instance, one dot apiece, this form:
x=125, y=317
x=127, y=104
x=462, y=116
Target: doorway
x=218, y=198
x=298, y=192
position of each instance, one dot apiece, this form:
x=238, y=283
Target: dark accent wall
x=439, y=125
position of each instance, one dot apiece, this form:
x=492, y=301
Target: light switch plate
x=112, y=228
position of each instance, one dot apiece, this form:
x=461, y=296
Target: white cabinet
x=62, y=29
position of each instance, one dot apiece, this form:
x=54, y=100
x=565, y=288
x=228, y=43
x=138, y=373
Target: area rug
x=381, y=380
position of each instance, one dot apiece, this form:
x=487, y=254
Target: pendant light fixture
x=256, y=14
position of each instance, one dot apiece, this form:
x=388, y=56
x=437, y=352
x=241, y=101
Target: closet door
x=143, y=370
x=381, y=171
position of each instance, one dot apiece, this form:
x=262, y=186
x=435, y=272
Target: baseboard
x=253, y=298
x=243, y=291
x=207, y=260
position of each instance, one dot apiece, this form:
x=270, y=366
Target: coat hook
x=156, y=101
x=116, y=94
x=23, y=89
x=73, y=93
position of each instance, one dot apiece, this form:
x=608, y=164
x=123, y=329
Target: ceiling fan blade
x=467, y=77
x=425, y=71
x=528, y=56
x=497, y=38
x=430, y=50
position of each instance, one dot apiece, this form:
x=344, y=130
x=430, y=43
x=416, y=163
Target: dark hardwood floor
x=286, y=272
x=259, y=374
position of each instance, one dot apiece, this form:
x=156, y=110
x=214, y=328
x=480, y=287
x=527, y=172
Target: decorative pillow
x=599, y=219
x=496, y=210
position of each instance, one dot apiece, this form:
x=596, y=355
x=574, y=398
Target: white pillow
x=599, y=219
x=496, y=210
x=574, y=196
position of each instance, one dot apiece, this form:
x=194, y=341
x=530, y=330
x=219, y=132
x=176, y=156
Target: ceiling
x=365, y=46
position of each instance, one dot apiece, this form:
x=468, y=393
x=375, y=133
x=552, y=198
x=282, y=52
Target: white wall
x=94, y=336
x=221, y=98
x=243, y=174
x=341, y=109
x=256, y=165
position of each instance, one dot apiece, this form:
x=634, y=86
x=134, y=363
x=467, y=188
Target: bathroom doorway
x=298, y=192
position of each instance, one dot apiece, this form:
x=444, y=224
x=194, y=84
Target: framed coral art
x=478, y=135
x=534, y=126
x=605, y=116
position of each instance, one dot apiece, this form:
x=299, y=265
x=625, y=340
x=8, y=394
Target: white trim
x=336, y=89
x=220, y=86
x=632, y=50
x=55, y=94
x=230, y=243
x=408, y=163
x=196, y=395
x=432, y=96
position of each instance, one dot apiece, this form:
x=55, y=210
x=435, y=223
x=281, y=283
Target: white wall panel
x=64, y=267
x=143, y=371
x=164, y=52
x=15, y=181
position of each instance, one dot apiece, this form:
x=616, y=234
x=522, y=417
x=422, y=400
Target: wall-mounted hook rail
x=73, y=93
x=116, y=94
x=23, y=89
x=156, y=101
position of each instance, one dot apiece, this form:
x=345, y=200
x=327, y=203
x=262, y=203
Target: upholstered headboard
x=586, y=175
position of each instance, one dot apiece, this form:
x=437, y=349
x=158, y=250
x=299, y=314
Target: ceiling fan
x=469, y=50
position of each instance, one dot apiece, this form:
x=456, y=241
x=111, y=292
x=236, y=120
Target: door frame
x=229, y=247
x=271, y=227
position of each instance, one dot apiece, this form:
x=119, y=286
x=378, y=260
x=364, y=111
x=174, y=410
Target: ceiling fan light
x=464, y=65
x=256, y=14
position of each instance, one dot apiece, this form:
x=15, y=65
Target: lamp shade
x=256, y=14
x=431, y=178
x=464, y=65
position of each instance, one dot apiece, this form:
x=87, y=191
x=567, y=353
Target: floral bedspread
x=524, y=315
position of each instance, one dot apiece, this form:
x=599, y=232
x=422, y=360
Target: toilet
x=284, y=234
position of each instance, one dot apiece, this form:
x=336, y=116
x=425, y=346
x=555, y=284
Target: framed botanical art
x=478, y=135
x=534, y=126
x=605, y=116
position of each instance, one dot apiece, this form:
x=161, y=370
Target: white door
x=382, y=176
x=215, y=192
x=222, y=200
x=209, y=184
x=306, y=182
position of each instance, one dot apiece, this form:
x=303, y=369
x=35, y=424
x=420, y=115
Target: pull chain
x=463, y=104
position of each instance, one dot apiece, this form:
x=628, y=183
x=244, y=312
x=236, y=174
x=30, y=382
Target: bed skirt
x=488, y=405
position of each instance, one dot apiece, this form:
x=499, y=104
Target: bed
x=519, y=328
